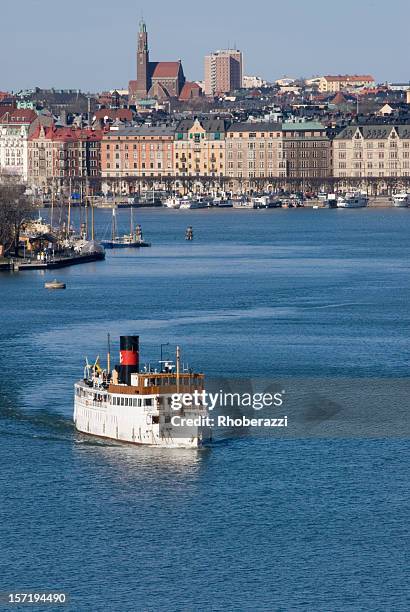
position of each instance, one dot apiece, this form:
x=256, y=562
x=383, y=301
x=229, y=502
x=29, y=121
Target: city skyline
x=93, y=49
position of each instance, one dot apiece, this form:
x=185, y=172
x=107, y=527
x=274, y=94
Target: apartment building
x=372, y=151
x=61, y=154
x=199, y=148
x=294, y=150
x=138, y=151
x=223, y=71
x=14, y=133
x=254, y=150
x=333, y=84
x=306, y=149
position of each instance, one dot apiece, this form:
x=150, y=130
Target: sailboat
x=132, y=240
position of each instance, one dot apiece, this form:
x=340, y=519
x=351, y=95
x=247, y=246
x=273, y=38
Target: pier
x=17, y=264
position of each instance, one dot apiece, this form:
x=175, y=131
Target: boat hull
x=95, y=414
x=124, y=245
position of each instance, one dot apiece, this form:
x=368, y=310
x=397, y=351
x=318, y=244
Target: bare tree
x=15, y=210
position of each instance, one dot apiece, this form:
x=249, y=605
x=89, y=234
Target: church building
x=159, y=80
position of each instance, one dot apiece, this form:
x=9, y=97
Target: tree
x=15, y=210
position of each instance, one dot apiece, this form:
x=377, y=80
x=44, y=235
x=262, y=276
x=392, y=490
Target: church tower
x=143, y=84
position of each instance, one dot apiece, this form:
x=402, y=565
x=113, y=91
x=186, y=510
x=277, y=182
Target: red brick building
x=62, y=154
x=161, y=80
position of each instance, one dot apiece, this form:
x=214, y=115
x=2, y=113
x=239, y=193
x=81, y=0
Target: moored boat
x=132, y=240
x=243, y=203
x=401, y=200
x=352, y=200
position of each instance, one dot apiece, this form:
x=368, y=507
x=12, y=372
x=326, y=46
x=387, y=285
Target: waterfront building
x=223, y=71
x=254, y=150
x=283, y=150
x=14, y=133
x=138, y=152
x=378, y=150
x=306, y=149
x=61, y=154
x=333, y=84
x=199, y=148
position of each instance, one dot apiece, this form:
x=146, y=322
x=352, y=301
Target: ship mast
x=92, y=219
x=69, y=211
x=178, y=356
x=113, y=225
x=108, y=356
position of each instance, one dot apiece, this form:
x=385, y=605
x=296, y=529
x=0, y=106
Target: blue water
x=252, y=523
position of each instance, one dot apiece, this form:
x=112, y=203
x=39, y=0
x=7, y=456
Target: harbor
x=315, y=304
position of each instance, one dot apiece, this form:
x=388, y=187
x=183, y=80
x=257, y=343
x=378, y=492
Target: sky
x=90, y=44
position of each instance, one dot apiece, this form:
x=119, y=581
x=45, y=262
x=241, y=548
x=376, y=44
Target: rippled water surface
x=253, y=522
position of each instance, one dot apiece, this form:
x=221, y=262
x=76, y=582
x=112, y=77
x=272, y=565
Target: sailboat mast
x=69, y=212
x=92, y=220
x=113, y=228
x=52, y=205
x=81, y=207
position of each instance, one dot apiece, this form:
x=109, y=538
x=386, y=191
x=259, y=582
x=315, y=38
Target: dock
x=17, y=264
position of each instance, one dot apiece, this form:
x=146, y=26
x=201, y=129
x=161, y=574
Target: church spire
x=143, y=76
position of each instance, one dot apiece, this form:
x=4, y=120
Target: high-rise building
x=223, y=71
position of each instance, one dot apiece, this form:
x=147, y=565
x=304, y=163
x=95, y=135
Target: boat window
x=148, y=402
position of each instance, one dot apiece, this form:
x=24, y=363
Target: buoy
x=55, y=284
x=189, y=234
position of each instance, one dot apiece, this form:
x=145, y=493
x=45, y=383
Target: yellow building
x=333, y=84
x=199, y=148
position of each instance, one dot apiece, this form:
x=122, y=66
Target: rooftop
x=164, y=70
x=144, y=130
x=302, y=126
x=349, y=77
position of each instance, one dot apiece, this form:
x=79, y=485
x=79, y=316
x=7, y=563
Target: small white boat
x=223, y=203
x=195, y=203
x=243, y=204
x=401, y=200
x=173, y=202
x=266, y=201
x=55, y=284
x=353, y=200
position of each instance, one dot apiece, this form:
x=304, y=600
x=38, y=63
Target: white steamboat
x=137, y=407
